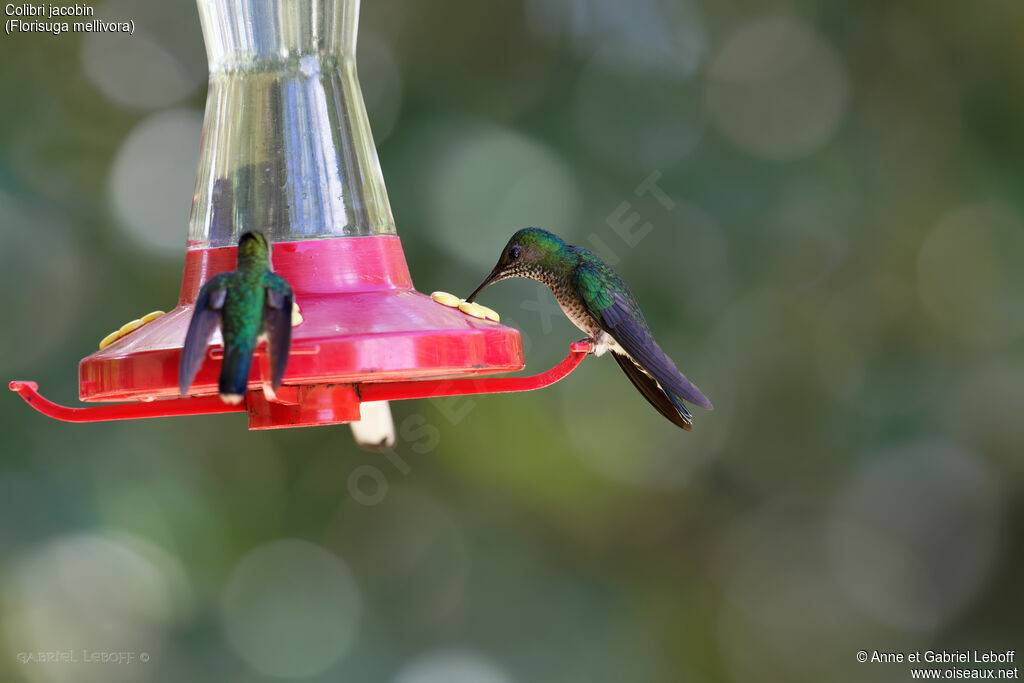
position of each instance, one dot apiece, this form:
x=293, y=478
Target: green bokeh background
x=837, y=265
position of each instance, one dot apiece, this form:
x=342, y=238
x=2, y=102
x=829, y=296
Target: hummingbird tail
x=234, y=373
x=666, y=404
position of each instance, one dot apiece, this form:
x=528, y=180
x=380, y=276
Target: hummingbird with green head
x=249, y=304
x=597, y=301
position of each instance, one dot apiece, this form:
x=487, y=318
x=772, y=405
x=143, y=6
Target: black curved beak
x=487, y=280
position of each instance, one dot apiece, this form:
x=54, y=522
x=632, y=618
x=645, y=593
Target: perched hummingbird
x=249, y=303
x=598, y=302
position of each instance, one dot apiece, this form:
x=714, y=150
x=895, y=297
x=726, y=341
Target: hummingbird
x=250, y=303
x=596, y=300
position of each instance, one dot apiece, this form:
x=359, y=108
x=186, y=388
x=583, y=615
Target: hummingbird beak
x=488, y=280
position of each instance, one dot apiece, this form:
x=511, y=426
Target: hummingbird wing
x=277, y=322
x=205, y=318
x=615, y=313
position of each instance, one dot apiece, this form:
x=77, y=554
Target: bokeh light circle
x=777, y=89
x=490, y=180
x=451, y=666
x=784, y=616
x=913, y=534
x=986, y=412
x=639, y=37
x=291, y=609
x=153, y=178
x=93, y=593
x=136, y=72
x=969, y=275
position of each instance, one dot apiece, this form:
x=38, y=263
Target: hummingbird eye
x=513, y=253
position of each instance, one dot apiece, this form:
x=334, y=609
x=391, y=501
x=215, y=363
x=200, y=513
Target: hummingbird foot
x=589, y=341
x=600, y=343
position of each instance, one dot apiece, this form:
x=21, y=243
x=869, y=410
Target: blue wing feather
x=205, y=319
x=607, y=298
x=277, y=321
x=618, y=321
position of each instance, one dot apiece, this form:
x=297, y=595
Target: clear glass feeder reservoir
x=287, y=150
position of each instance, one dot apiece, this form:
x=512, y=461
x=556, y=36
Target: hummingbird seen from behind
x=249, y=304
x=597, y=301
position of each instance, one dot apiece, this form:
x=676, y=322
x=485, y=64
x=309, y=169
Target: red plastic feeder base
x=362, y=320
x=303, y=406
x=366, y=335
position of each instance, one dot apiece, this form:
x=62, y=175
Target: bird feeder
x=286, y=150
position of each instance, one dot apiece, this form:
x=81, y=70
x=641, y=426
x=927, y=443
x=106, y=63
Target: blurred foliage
x=836, y=261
